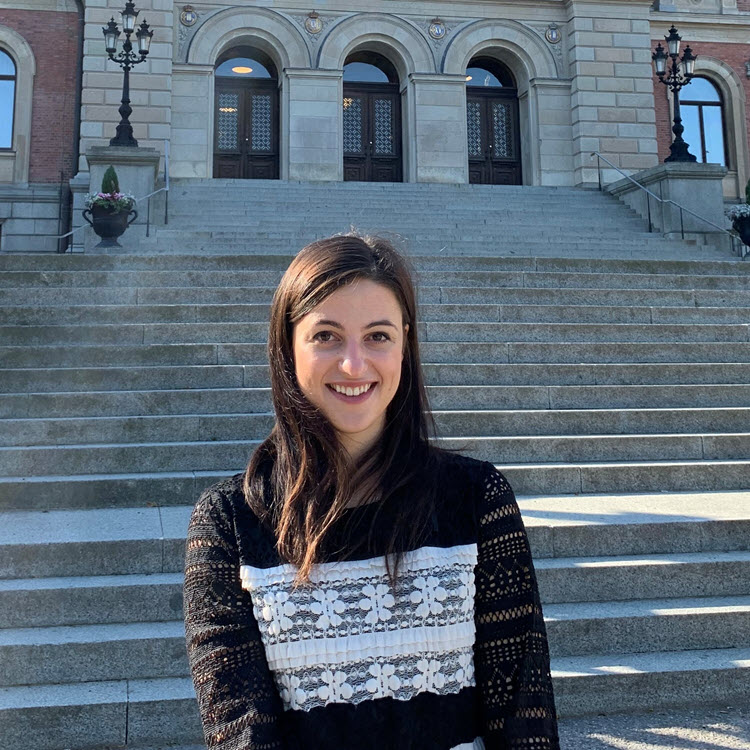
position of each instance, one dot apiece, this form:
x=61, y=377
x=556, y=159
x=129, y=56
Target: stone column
x=313, y=125
x=191, y=152
x=434, y=145
x=612, y=99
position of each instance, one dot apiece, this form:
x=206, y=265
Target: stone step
x=485, y=423
x=103, y=714
x=16, y=358
x=143, y=650
x=500, y=334
x=147, y=540
x=133, y=262
x=92, y=653
x=55, y=297
x=163, y=711
x=197, y=400
x=87, y=314
x=588, y=685
x=493, y=279
x=183, y=456
x=100, y=600
x=173, y=487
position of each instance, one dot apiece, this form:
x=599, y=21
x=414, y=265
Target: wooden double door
x=246, y=129
x=372, y=133
x=493, y=137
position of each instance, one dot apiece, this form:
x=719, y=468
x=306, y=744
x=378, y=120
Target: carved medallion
x=188, y=17
x=313, y=23
x=437, y=29
x=552, y=34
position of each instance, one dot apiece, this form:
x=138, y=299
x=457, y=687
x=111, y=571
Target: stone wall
x=53, y=102
x=150, y=82
x=612, y=88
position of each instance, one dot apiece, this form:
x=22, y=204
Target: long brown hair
x=300, y=479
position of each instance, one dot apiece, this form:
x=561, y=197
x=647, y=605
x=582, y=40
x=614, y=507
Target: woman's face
x=352, y=343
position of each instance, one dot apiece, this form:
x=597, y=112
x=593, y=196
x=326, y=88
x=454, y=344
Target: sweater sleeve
x=237, y=698
x=511, y=652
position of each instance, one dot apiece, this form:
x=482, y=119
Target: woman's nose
x=353, y=361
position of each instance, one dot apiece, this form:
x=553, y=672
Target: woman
x=357, y=587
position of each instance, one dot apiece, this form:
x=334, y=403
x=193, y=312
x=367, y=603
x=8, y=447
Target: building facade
x=503, y=92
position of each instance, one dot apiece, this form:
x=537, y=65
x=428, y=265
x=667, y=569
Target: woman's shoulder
x=461, y=471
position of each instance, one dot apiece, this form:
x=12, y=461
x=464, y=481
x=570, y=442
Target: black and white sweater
x=454, y=657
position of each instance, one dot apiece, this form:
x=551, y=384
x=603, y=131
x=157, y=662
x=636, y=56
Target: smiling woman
x=357, y=586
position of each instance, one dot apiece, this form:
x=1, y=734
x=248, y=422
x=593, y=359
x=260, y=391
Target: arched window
x=369, y=67
x=702, y=113
x=488, y=73
x=7, y=99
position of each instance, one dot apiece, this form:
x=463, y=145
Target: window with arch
x=369, y=67
x=7, y=99
x=702, y=110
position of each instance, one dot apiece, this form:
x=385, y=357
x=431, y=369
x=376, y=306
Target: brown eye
x=323, y=336
x=381, y=336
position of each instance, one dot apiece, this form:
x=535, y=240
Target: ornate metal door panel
x=246, y=143
x=372, y=133
x=493, y=138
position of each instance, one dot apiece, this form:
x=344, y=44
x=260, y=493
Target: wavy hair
x=300, y=480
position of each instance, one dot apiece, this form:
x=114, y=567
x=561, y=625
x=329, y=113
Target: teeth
x=359, y=390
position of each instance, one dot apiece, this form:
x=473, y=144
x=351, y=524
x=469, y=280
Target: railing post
x=599, y=171
x=148, y=216
x=682, y=225
x=648, y=203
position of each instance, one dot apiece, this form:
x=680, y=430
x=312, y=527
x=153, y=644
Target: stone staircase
x=429, y=219
x=613, y=393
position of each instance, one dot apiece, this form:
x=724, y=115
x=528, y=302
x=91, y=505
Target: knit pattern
x=502, y=697
x=511, y=651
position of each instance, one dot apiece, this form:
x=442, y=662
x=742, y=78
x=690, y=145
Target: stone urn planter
x=109, y=210
x=742, y=227
x=109, y=224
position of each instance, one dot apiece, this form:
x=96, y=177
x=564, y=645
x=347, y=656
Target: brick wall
x=734, y=55
x=53, y=106
x=743, y=5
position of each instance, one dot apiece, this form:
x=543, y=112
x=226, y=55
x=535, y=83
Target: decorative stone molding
x=16, y=167
x=185, y=34
x=400, y=40
x=324, y=21
x=529, y=55
x=266, y=29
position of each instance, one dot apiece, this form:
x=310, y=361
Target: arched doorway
x=492, y=126
x=372, y=119
x=246, y=124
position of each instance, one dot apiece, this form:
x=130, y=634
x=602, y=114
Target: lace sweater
x=454, y=657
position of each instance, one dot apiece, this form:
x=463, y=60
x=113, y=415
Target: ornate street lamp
x=675, y=76
x=127, y=59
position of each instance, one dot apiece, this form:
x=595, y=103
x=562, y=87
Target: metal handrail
x=732, y=235
x=148, y=197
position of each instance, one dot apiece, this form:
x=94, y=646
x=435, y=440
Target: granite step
x=498, y=334
x=134, y=261
x=198, y=400
x=79, y=378
x=214, y=455
x=143, y=650
x=484, y=278
x=459, y=353
x=88, y=314
x=256, y=423
x=79, y=600
x=146, y=540
x=172, y=487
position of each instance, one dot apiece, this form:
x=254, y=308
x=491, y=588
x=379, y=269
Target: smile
x=352, y=394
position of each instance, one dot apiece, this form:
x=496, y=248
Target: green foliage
x=109, y=181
